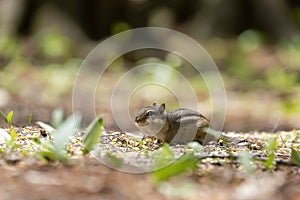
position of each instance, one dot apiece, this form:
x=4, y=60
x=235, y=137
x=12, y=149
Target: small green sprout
x=9, y=118
x=246, y=161
x=57, y=117
x=185, y=163
x=163, y=157
x=2, y=151
x=11, y=142
x=30, y=118
x=271, y=148
x=56, y=150
x=92, y=134
x=295, y=157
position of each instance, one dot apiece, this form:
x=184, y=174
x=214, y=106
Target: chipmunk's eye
x=149, y=113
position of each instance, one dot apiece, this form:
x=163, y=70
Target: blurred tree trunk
x=272, y=16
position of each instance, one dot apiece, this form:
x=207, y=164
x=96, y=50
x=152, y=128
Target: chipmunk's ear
x=154, y=104
x=162, y=107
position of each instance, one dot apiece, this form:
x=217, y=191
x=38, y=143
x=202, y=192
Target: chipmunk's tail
x=217, y=135
x=213, y=135
x=212, y=132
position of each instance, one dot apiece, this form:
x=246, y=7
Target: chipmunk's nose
x=137, y=119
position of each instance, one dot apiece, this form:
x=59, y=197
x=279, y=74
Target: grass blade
x=295, y=156
x=184, y=163
x=92, y=135
x=9, y=118
x=30, y=118
x=271, y=148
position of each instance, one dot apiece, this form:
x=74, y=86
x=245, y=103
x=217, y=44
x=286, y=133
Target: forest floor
x=268, y=171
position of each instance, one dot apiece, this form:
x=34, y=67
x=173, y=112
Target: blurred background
x=255, y=44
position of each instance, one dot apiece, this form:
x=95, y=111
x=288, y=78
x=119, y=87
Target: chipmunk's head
x=151, y=119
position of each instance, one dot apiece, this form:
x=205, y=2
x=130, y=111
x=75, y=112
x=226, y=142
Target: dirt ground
x=217, y=176
x=90, y=179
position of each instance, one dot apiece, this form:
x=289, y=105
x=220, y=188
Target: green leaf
x=113, y=160
x=11, y=143
x=49, y=151
x=30, y=118
x=47, y=127
x=13, y=134
x=56, y=150
x=184, y=163
x=62, y=135
x=295, y=156
x=270, y=148
x=37, y=140
x=246, y=161
x=9, y=117
x=271, y=145
x=163, y=157
x=49, y=155
x=270, y=162
x=48, y=145
x=92, y=135
x=57, y=117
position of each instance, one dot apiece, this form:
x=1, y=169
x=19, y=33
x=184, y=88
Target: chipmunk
x=177, y=126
